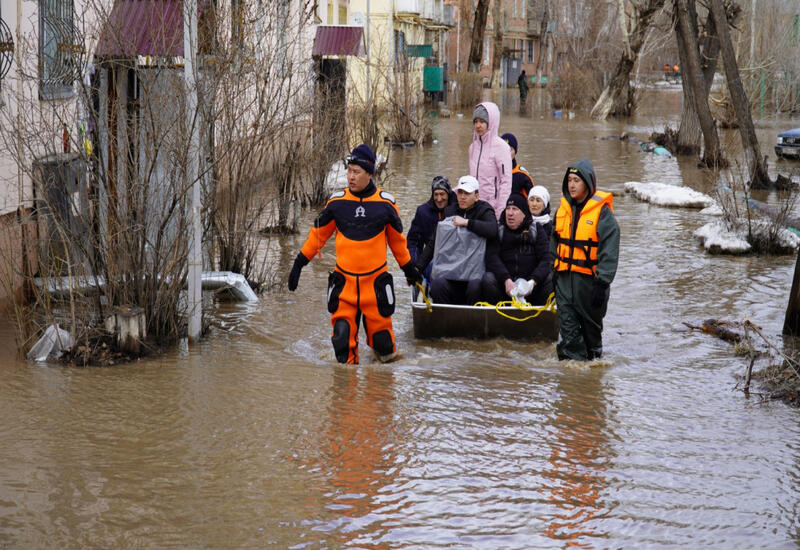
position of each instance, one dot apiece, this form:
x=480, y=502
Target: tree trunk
x=497, y=45
x=689, y=132
x=476, y=43
x=756, y=165
x=791, y=323
x=693, y=77
x=543, y=37
x=619, y=84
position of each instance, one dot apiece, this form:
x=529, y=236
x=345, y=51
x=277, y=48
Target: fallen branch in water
x=780, y=378
x=718, y=329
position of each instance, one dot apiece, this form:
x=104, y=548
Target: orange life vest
x=578, y=253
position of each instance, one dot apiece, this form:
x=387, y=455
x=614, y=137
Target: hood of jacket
x=494, y=123
x=585, y=170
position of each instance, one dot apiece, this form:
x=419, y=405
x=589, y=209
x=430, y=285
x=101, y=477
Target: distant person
x=666, y=72
x=478, y=217
x=490, y=157
x=522, y=82
x=521, y=180
x=427, y=216
x=585, y=245
x=539, y=204
x=360, y=288
x=521, y=251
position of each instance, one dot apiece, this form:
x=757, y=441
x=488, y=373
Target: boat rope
x=549, y=305
x=425, y=297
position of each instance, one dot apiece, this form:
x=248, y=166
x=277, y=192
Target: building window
x=530, y=51
x=56, y=42
x=342, y=15
x=399, y=47
x=330, y=13
x=515, y=8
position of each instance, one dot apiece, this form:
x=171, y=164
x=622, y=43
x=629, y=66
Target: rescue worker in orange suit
x=360, y=288
x=521, y=180
x=585, y=245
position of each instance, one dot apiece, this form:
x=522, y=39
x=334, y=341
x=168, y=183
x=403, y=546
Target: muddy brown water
x=256, y=438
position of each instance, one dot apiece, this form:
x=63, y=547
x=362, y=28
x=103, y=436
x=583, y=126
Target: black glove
x=599, y=289
x=294, y=277
x=412, y=273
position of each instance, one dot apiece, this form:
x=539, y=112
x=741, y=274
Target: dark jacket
x=521, y=252
x=424, y=224
x=607, y=226
x=480, y=220
x=521, y=182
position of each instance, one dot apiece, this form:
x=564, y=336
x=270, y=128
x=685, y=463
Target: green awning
x=419, y=50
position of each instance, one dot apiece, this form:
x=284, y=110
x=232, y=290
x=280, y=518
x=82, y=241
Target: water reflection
x=579, y=457
x=361, y=450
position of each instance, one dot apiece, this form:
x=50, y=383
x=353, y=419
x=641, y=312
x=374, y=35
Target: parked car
x=788, y=145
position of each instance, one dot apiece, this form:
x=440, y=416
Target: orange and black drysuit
x=585, y=245
x=360, y=287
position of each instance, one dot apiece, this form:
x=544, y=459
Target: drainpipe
x=18, y=52
x=195, y=254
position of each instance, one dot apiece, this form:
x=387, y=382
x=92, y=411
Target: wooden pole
x=791, y=325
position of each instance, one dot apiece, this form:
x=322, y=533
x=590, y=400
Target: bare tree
x=689, y=132
x=688, y=39
x=617, y=96
x=756, y=164
x=497, y=42
x=476, y=42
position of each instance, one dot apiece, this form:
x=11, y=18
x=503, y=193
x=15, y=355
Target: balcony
x=407, y=6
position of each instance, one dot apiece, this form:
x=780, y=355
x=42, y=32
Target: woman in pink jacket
x=490, y=157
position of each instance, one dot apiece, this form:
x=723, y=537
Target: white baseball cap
x=467, y=183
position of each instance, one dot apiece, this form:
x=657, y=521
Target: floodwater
x=256, y=438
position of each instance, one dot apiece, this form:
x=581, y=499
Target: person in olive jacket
x=585, y=245
x=478, y=217
x=521, y=251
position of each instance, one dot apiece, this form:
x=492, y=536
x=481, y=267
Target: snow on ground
x=713, y=210
x=662, y=194
x=719, y=237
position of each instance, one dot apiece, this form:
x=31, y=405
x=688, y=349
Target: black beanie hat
x=511, y=140
x=364, y=157
x=520, y=202
x=440, y=182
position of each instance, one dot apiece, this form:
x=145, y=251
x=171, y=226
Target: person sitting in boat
x=520, y=253
x=521, y=180
x=427, y=216
x=478, y=217
x=539, y=205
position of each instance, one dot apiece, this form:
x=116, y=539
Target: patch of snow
x=719, y=237
x=662, y=194
x=713, y=210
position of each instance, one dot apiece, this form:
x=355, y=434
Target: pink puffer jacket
x=490, y=162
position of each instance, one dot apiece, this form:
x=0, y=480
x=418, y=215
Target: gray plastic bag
x=459, y=253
